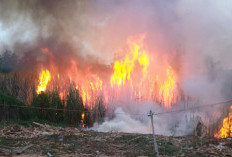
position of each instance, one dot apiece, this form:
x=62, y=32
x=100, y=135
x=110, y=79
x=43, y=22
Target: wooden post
x=153, y=131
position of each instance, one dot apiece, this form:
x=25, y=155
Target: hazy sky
x=202, y=29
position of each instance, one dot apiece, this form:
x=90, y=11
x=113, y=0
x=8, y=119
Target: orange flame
x=88, y=90
x=168, y=88
x=226, y=129
x=123, y=69
x=147, y=80
x=140, y=74
x=45, y=77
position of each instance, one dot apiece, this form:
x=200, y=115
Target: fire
x=88, y=90
x=82, y=119
x=147, y=79
x=123, y=68
x=168, y=88
x=45, y=77
x=226, y=129
x=88, y=84
x=83, y=116
x=140, y=74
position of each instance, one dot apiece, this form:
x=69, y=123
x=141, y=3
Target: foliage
x=98, y=111
x=74, y=102
x=7, y=111
x=87, y=120
x=56, y=103
x=41, y=102
x=19, y=91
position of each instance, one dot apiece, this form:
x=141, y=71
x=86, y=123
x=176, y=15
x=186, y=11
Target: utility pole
x=153, y=131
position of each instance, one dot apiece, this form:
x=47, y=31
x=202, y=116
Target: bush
x=56, y=103
x=41, y=102
x=74, y=102
x=98, y=111
x=17, y=111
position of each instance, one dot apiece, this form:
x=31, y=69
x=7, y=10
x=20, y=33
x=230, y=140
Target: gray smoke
x=91, y=32
x=100, y=28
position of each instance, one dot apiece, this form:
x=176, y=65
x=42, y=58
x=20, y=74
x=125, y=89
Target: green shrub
x=74, y=102
x=12, y=108
x=41, y=102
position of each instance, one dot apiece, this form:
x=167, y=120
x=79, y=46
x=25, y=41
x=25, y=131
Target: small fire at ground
x=226, y=129
x=82, y=119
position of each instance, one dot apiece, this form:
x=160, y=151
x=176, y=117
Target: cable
x=159, y=113
x=34, y=107
x=192, y=108
x=56, y=109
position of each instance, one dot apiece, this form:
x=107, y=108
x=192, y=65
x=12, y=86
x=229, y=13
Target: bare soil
x=46, y=140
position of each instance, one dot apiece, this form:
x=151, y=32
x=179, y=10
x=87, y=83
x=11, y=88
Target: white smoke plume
x=122, y=122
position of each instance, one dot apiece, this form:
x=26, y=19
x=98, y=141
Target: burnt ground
x=46, y=140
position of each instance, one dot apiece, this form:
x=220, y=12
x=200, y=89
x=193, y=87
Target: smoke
x=122, y=123
x=184, y=123
x=91, y=33
x=99, y=29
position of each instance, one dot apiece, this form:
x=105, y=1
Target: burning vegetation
x=135, y=72
x=78, y=66
x=81, y=94
x=226, y=129
x=45, y=77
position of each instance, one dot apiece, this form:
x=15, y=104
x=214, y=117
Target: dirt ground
x=45, y=140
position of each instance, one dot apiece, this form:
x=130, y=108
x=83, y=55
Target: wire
x=85, y=111
x=192, y=108
x=42, y=108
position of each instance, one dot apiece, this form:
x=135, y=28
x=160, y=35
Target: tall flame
x=140, y=74
x=89, y=89
x=226, y=129
x=45, y=77
x=123, y=68
x=147, y=79
x=168, y=88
